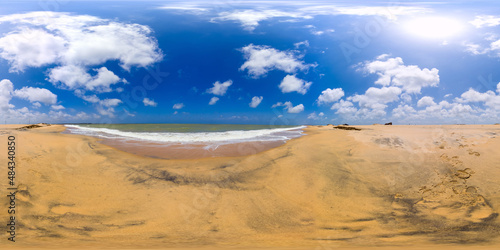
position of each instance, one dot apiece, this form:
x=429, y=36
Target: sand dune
x=387, y=186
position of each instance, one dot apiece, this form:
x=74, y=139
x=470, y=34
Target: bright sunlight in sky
x=434, y=27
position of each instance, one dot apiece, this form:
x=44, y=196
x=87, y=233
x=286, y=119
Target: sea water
x=188, y=140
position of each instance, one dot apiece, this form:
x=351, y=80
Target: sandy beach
x=417, y=187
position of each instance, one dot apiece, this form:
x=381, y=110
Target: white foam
x=275, y=134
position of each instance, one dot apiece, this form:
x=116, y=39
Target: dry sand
x=416, y=187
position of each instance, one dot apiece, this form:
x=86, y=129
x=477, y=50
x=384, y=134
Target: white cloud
x=36, y=95
x=213, y=100
x=314, y=116
x=291, y=83
x=330, y=95
x=256, y=100
x=474, y=96
x=344, y=108
x=74, y=77
x=91, y=99
x=289, y=107
x=485, y=21
x=249, y=19
x=22, y=51
x=76, y=44
x=377, y=98
x=36, y=105
x=219, y=88
x=189, y=8
x=102, y=81
x=57, y=107
x=390, y=12
x=393, y=72
x=406, y=97
x=178, y=106
x=149, y=102
x=303, y=43
x=87, y=40
x=6, y=88
x=476, y=49
x=110, y=102
x=297, y=109
x=426, y=101
x=262, y=59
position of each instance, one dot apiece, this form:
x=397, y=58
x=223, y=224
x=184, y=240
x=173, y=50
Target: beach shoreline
x=383, y=186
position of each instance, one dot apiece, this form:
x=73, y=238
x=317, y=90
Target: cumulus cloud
x=293, y=84
x=36, y=95
x=426, y=101
x=213, y=100
x=256, y=100
x=249, y=19
x=149, y=102
x=486, y=21
x=376, y=98
x=330, y=95
x=314, y=116
x=297, y=109
x=6, y=88
x=289, y=107
x=21, y=51
x=219, y=88
x=76, y=43
x=303, y=43
x=262, y=59
x=344, y=108
x=393, y=72
x=113, y=102
x=178, y=106
x=57, y=107
x=36, y=105
x=472, y=95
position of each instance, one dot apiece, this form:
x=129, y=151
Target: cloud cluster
x=486, y=21
x=6, y=88
x=213, y=100
x=178, y=106
x=251, y=18
x=293, y=84
x=288, y=106
x=314, y=116
x=398, y=82
x=330, y=95
x=36, y=95
x=262, y=59
x=219, y=88
x=149, y=102
x=256, y=100
x=393, y=72
x=72, y=48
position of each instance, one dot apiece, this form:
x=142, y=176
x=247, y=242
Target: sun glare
x=434, y=27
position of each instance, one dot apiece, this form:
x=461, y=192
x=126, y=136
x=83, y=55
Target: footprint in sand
x=473, y=152
x=454, y=161
x=451, y=202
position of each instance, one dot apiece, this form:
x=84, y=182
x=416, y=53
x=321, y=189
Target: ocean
x=178, y=141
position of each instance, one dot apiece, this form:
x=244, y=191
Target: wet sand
x=416, y=187
x=190, y=151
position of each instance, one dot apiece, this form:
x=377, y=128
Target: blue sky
x=250, y=62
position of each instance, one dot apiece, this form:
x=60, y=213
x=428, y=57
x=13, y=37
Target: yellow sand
x=388, y=186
